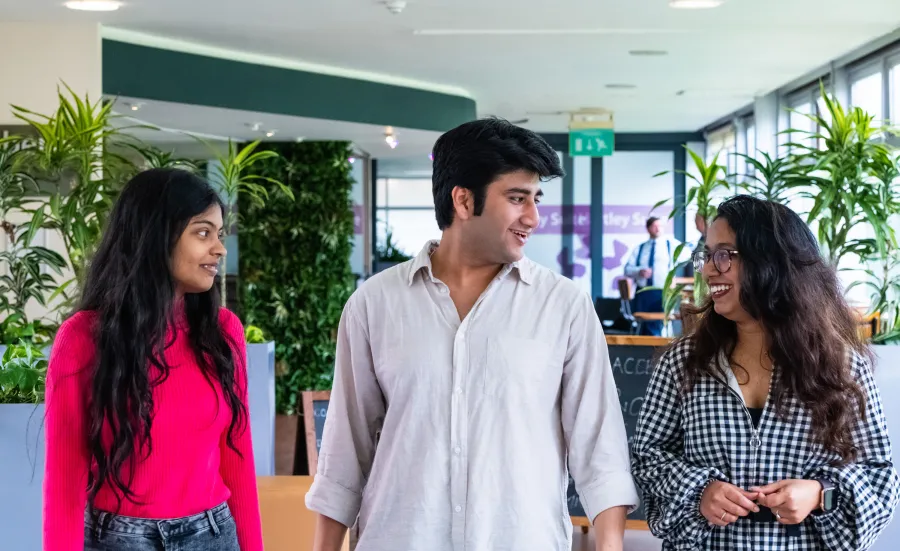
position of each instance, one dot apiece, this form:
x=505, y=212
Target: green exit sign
x=591, y=142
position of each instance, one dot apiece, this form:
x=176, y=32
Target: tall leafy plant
x=838, y=165
x=770, y=178
x=26, y=275
x=709, y=179
x=72, y=161
x=295, y=262
x=235, y=178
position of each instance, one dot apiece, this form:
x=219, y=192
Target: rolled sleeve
x=612, y=490
x=592, y=419
x=356, y=412
x=332, y=500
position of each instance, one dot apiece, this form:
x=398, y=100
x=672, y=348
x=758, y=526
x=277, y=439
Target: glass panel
x=629, y=193
x=380, y=192
x=798, y=120
x=407, y=193
x=410, y=229
x=895, y=93
x=751, y=147
x=866, y=93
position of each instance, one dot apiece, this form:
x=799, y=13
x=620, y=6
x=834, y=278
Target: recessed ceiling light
x=621, y=86
x=94, y=5
x=648, y=53
x=695, y=4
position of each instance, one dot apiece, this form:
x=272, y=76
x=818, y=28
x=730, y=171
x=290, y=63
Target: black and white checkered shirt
x=684, y=441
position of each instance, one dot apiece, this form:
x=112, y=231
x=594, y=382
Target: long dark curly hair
x=130, y=290
x=810, y=331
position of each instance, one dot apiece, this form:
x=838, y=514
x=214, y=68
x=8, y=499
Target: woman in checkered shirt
x=764, y=429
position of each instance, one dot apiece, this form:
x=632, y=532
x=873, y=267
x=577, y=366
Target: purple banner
x=359, y=212
x=633, y=218
x=552, y=219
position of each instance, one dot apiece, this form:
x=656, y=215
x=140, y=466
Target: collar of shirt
x=423, y=262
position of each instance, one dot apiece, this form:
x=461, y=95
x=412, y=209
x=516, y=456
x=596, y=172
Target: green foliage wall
x=295, y=263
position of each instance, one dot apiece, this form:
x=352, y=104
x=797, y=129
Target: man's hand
x=790, y=500
x=723, y=503
x=609, y=528
x=645, y=273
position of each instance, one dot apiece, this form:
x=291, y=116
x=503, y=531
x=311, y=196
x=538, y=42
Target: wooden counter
x=287, y=524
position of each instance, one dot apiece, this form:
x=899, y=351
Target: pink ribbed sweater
x=190, y=469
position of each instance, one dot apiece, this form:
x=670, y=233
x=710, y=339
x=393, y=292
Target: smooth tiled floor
x=635, y=540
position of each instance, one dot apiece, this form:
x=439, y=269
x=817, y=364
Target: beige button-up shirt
x=450, y=435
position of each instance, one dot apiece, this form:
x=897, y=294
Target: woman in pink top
x=147, y=430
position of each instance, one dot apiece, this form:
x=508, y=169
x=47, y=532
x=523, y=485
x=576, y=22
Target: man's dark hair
x=476, y=153
x=650, y=221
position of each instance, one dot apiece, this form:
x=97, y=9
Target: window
x=799, y=120
x=405, y=208
x=750, y=144
x=866, y=92
x=894, y=113
x=724, y=143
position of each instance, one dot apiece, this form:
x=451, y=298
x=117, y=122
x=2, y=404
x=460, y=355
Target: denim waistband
x=163, y=528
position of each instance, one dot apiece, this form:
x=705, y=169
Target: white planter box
x=887, y=374
x=22, y=451
x=21, y=475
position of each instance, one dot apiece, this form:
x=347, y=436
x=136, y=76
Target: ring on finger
x=723, y=515
x=776, y=514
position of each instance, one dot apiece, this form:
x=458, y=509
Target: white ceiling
x=175, y=120
x=522, y=58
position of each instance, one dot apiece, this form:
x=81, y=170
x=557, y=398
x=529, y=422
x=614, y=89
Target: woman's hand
x=791, y=500
x=723, y=503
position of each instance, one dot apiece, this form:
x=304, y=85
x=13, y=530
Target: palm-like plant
x=234, y=176
x=771, y=179
x=843, y=176
x=71, y=160
x=710, y=178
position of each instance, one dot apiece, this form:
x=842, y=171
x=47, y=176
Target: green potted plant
x=295, y=273
x=387, y=254
x=701, y=196
x=23, y=370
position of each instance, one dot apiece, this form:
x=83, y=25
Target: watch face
x=828, y=499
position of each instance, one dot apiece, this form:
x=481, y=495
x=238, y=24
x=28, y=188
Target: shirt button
x=457, y=450
x=458, y=508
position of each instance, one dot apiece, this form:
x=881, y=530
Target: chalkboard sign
x=315, y=407
x=632, y=364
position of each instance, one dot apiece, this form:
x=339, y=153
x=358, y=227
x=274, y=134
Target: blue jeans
x=213, y=530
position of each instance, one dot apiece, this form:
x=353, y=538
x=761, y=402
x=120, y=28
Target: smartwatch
x=828, y=499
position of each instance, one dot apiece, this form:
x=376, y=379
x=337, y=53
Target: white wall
x=39, y=57
x=44, y=57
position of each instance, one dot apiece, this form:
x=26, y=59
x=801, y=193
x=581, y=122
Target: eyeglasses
x=721, y=259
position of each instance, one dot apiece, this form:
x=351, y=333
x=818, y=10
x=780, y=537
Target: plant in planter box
x=295, y=270
x=234, y=179
x=23, y=373
x=75, y=168
x=710, y=178
x=840, y=176
x=27, y=266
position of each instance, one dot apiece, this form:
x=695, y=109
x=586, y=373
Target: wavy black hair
x=133, y=296
x=476, y=153
x=810, y=331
